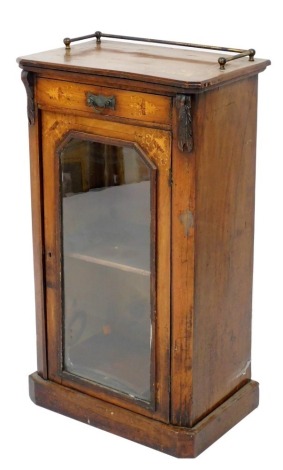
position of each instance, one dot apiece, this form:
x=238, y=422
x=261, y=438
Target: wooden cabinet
x=142, y=175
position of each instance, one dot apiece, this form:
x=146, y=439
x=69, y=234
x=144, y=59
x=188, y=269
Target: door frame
x=56, y=129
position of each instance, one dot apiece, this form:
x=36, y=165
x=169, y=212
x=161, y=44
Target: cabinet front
x=107, y=256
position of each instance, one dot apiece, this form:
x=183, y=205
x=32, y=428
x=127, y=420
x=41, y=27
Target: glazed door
x=107, y=245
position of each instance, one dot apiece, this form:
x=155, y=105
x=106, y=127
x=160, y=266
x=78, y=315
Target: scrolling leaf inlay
x=28, y=81
x=185, y=129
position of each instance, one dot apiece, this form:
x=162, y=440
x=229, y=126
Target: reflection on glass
x=106, y=265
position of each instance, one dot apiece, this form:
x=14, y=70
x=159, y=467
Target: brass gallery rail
x=222, y=60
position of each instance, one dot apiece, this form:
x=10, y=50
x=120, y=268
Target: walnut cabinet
x=142, y=178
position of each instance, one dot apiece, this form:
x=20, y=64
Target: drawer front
x=103, y=101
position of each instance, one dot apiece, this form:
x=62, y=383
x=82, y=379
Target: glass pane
x=106, y=213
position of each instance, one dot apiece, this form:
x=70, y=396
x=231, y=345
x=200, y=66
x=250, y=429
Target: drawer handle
x=100, y=102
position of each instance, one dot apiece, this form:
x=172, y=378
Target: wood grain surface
x=225, y=182
x=174, y=440
x=154, y=64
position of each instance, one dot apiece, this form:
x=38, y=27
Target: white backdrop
x=33, y=437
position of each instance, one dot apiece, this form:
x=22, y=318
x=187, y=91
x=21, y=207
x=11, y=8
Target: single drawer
x=97, y=100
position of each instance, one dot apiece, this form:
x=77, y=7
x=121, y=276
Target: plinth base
x=173, y=440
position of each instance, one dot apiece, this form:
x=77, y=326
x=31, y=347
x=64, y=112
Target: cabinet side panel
x=225, y=179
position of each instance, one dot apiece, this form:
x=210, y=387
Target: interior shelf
x=116, y=262
x=104, y=227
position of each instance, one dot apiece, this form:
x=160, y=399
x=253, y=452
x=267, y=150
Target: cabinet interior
x=106, y=233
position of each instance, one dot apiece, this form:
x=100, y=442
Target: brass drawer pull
x=100, y=102
x=222, y=60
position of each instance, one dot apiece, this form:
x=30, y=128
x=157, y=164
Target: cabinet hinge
x=170, y=178
x=185, y=127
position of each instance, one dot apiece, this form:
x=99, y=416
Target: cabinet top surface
x=186, y=68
